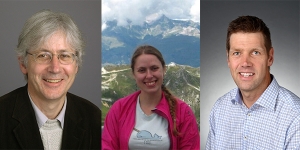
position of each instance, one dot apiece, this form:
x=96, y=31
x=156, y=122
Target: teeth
x=247, y=74
x=54, y=81
x=150, y=83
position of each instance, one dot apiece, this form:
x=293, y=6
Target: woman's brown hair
x=147, y=49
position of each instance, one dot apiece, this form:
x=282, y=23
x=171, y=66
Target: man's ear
x=271, y=57
x=227, y=58
x=77, y=69
x=22, y=65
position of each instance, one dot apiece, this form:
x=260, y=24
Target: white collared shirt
x=41, y=118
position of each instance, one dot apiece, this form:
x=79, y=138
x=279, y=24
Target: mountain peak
x=163, y=19
x=181, y=36
x=171, y=64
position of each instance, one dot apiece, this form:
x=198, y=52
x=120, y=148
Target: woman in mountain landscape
x=150, y=118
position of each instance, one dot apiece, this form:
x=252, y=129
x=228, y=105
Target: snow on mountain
x=171, y=64
x=178, y=40
x=162, y=26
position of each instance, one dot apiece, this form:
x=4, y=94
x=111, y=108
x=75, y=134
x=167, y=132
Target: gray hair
x=39, y=27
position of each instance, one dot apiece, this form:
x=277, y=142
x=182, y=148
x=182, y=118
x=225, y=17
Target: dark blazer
x=19, y=128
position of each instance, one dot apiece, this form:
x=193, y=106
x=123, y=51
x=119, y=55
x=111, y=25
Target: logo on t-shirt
x=147, y=136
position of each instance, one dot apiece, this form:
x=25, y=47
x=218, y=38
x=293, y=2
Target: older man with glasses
x=42, y=114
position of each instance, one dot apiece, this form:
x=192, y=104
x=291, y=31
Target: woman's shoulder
x=182, y=103
x=125, y=101
x=183, y=108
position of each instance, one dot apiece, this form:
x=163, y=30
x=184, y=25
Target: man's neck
x=50, y=108
x=250, y=97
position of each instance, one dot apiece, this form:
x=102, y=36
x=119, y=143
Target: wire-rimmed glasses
x=42, y=57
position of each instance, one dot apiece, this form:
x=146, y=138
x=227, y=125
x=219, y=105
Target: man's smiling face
x=249, y=61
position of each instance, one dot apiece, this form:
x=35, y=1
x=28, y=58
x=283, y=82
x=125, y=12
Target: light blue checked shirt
x=271, y=123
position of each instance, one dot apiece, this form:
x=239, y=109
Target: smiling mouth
x=53, y=80
x=150, y=83
x=246, y=74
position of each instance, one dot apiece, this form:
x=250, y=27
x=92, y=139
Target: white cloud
x=139, y=11
x=195, y=11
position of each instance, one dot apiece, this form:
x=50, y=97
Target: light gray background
x=282, y=18
x=86, y=14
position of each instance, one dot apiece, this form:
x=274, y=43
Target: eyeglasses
x=65, y=58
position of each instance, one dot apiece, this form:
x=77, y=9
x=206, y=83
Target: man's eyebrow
x=60, y=51
x=235, y=49
x=239, y=49
x=258, y=49
x=44, y=50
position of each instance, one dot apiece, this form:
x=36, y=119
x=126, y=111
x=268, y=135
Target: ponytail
x=172, y=105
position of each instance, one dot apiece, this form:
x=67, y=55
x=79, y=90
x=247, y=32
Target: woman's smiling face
x=148, y=73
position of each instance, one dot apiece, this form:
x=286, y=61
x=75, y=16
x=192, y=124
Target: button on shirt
x=272, y=122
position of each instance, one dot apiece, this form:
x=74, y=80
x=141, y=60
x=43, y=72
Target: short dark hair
x=249, y=24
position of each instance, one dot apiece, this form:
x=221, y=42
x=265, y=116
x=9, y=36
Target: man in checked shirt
x=258, y=114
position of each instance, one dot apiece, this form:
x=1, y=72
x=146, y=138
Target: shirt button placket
x=246, y=131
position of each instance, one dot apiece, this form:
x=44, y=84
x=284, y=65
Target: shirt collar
x=267, y=99
x=41, y=118
x=238, y=98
